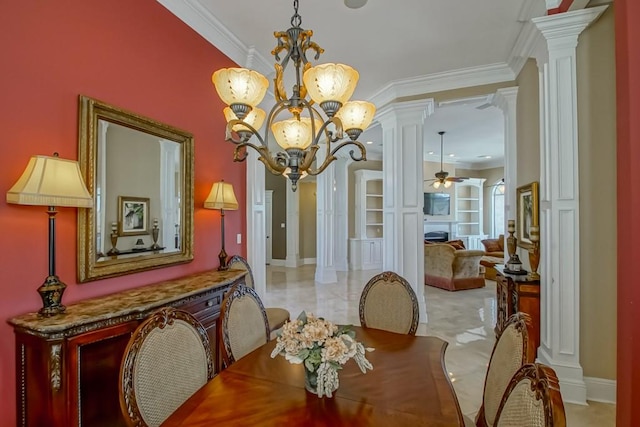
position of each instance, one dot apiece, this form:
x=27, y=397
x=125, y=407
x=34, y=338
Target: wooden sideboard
x=516, y=293
x=67, y=366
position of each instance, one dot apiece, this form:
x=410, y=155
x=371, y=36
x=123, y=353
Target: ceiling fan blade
x=457, y=178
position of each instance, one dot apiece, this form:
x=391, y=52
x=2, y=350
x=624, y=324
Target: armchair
x=451, y=269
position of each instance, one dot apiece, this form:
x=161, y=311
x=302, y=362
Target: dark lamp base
x=51, y=293
x=222, y=256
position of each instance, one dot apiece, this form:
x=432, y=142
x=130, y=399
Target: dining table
x=408, y=386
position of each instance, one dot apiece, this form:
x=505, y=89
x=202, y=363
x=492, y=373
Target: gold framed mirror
x=140, y=174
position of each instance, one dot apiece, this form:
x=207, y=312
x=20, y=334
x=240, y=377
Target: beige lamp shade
x=294, y=133
x=51, y=181
x=221, y=197
x=240, y=86
x=330, y=82
x=255, y=118
x=356, y=114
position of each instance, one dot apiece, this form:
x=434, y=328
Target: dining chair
x=244, y=323
x=275, y=315
x=513, y=348
x=167, y=359
x=388, y=302
x=532, y=399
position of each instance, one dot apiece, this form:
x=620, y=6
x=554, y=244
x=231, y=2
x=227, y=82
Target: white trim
x=526, y=43
x=278, y=262
x=307, y=261
x=199, y=18
x=601, y=390
x=454, y=79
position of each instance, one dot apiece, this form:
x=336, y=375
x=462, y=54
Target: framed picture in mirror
x=133, y=215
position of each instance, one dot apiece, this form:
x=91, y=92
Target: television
x=437, y=204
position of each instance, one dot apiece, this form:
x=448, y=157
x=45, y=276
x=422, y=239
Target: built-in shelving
x=366, y=247
x=469, y=210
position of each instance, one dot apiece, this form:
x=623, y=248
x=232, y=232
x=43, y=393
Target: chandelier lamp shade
x=51, y=181
x=223, y=198
x=295, y=121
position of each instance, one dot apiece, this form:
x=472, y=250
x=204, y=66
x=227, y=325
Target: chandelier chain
x=296, y=19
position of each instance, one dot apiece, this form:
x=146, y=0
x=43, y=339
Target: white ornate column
x=402, y=177
x=559, y=198
x=325, y=222
x=256, y=232
x=293, y=228
x=341, y=190
x=506, y=100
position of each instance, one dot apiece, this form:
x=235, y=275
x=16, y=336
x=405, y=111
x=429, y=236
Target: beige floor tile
x=464, y=319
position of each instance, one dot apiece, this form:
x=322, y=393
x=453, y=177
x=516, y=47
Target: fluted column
x=402, y=176
x=325, y=223
x=559, y=198
x=256, y=231
x=505, y=99
x=341, y=187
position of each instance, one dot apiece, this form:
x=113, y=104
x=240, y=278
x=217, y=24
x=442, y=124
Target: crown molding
x=526, y=44
x=437, y=82
x=198, y=17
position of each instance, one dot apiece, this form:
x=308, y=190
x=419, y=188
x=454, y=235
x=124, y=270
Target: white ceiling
x=388, y=42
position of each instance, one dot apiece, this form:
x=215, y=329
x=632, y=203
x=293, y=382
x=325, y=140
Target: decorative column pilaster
x=325, y=222
x=256, y=231
x=341, y=187
x=402, y=141
x=293, y=228
x=506, y=99
x=559, y=198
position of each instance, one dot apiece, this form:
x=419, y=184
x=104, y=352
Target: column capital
x=505, y=97
x=562, y=30
x=414, y=111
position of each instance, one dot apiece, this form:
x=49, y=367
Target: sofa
x=494, y=254
x=452, y=269
x=494, y=247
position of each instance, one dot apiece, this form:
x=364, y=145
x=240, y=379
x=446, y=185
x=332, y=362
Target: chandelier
x=299, y=134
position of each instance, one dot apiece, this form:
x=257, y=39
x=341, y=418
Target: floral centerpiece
x=323, y=348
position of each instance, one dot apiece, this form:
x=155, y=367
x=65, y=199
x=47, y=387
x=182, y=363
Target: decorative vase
x=534, y=252
x=311, y=381
x=154, y=234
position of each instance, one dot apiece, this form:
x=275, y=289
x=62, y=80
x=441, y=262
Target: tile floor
x=464, y=319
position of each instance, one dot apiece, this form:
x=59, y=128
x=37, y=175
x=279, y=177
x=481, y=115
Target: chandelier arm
x=331, y=136
x=271, y=164
x=331, y=157
x=229, y=133
x=309, y=157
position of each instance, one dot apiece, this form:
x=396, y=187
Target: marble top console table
x=67, y=366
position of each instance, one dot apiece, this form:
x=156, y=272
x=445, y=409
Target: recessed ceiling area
x=474, y=129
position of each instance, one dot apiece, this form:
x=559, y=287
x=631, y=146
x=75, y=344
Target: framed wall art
x=133, y=215
x=528, y=211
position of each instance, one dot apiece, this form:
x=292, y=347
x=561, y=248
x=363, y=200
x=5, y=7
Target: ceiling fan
x=442, y=177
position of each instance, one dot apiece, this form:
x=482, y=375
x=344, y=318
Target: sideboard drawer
x=204, y=306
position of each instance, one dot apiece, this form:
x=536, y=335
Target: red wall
x=628, y=115
x=135, y=55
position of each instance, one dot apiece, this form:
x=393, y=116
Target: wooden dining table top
x=408, y=386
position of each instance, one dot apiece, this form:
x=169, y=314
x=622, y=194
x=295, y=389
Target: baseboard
x=306, y=261
x=277, y=262
x=601, y=390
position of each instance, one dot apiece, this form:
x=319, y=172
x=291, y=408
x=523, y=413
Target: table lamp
x=222, y=197
x=53, y=182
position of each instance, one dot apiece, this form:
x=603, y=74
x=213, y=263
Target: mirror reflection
x=140, y=174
